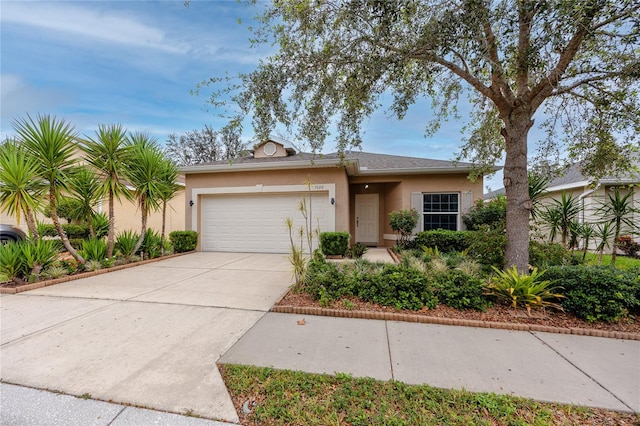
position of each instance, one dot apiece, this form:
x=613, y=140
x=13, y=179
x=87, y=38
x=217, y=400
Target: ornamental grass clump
x=523, y=290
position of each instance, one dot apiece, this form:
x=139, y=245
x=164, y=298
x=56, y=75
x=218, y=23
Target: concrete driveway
x=148, y=336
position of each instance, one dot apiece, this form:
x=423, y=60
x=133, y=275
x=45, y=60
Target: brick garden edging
x=47, y=283
x=396, y=316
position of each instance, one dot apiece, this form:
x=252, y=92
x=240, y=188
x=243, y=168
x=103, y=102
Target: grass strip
x=281, y=397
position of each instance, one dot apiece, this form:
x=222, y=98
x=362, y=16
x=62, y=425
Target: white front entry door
x=367, y=221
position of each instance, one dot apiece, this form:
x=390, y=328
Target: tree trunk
x=61, y=233
x=164, y=219
x=31, y=224
x=143, y=228
x=516, y=184
x=112, y=225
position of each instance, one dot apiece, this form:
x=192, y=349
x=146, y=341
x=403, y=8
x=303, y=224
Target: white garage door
x=255, y=223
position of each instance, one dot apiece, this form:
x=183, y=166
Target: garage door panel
x=256, y=223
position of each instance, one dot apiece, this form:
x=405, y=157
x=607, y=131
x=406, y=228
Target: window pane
x=436, y=203
x=441, y=221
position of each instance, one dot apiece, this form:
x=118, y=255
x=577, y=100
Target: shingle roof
x=368, y=163
x=573, y=175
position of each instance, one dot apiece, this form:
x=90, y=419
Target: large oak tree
x=575, y=61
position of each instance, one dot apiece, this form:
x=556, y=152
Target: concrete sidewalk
x=25, y=406
x=579, y=370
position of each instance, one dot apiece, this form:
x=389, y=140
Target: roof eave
x=243, y=167
x=418, y=170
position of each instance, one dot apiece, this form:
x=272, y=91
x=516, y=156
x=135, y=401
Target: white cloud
x=83, y=23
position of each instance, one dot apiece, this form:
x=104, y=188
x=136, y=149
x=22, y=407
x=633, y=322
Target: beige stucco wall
x=395, y=194
x=317, y=176
x=127, y=215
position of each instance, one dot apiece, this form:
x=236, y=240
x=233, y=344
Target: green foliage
x=446, y=241
x=400, y=287
x=72, y=231
x=296, y=398
x=357, y=251
x=523, y=290
x=598, y=293
x=100, y=223
x=492, y=213
x=543, y=255
x=126, y=243
x=94, y=249
x=459, y=290
x=12, y=262
x=488, y=246
x=22, y=259
x=151, y=244
x=183, y=240
x=39, y=255
x=403, y=223
x=334, y=243
x=66, y=208
x=618, y=211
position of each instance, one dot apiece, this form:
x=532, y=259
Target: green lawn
x=622, y=262
x=286, y=398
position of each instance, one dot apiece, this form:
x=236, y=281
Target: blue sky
x=137, y=62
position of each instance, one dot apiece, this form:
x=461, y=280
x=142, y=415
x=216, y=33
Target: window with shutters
x=440, y=211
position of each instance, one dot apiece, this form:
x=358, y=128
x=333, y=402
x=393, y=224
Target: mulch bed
x=497, y=316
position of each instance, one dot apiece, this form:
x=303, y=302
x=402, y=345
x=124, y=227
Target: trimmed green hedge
x=446, y=241
x=334, y=243
x=597, y=293
x=183, y=240
x=72, y=231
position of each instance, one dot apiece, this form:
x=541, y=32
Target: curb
x=423, y=319
x=47, y=283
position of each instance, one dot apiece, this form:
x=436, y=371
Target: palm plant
x=142, y=173
x=50, y=143
x=537, y=188
x=86, y=188
x=603, y=233
x=561, y=214
x=20, y=188
x=168, y=174
x=109, y=153
x=618, y=212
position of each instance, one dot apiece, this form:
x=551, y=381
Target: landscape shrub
x=73, y=231
x=488, y=246
x=492, y=213
x=543, y=255
x=100, y=224
x=94, y=249
x=402, y=223
x=357, y=251
x=38, y=256
x=151, y=244
x=334, y=243
x=446, y=241
x=183, y=240
x=400, y=287
x=12, y=262
x=126, y=243
x=597, y=293
x=324, y=278
x=627, y=246
x=459, y=290
x=524, y=290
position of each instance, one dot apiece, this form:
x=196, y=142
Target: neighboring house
x=242, y=205
x=592, y=195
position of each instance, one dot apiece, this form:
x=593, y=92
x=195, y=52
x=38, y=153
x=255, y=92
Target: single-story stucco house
x=241, y=205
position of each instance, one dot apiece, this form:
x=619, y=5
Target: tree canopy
x=578, y=62
x=204, y=146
